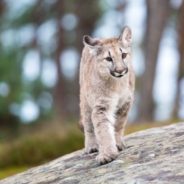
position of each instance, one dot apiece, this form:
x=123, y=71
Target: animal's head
x=112, y=56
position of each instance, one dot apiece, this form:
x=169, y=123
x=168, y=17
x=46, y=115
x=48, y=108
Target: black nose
x=121, y=71
x=117, y=70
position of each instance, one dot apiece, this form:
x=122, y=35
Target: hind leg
x=122, y=116
x=90, y=140
x=119, y=133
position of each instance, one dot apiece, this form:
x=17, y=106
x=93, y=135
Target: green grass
x=39, y=147
x=143, y=126
x=11, y=171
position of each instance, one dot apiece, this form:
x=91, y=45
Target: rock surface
x=153, y=156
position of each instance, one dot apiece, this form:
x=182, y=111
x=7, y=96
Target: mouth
x=118, y=75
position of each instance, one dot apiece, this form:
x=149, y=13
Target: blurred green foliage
x=20, y=34
x=40, y=147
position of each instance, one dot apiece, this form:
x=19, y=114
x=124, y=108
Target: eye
x=124, y=55
x=109, y=59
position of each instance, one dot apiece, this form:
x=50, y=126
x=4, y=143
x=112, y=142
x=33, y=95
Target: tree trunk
x=181, y=62
x=60, y=88
x=2, y=7
x=59, y=92
x=157, y=16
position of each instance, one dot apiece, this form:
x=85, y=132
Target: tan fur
x=105, y=100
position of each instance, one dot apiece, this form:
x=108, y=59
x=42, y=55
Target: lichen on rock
x=153, y=156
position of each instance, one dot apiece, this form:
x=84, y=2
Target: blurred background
x=40, y=49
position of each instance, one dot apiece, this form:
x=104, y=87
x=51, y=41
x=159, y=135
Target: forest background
x=40, y=49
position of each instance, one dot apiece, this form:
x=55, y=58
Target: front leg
x=103, y=121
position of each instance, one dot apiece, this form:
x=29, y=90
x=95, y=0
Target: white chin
x=117, y=74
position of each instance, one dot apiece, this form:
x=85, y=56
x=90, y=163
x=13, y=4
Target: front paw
x=104, y=158
x=91, y=149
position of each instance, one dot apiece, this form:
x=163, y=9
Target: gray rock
x=153, y=156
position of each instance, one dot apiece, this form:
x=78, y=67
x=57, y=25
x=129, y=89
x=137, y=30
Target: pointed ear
x=92, y=43
x=126, y=37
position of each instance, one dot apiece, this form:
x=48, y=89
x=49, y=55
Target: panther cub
x=106, y=93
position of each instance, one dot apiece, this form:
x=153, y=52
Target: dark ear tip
x=86, y=39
